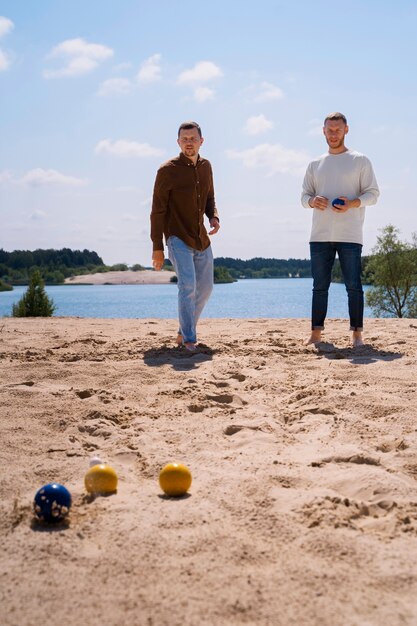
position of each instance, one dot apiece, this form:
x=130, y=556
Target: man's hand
x=215, y=225
x=319, y=202
x=349, y=204
x=158, y=259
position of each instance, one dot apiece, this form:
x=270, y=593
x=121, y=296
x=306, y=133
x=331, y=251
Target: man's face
x=335, y=131
x=189, y=141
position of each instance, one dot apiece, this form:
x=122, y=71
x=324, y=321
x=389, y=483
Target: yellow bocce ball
x=101, y=479
x=175, y=479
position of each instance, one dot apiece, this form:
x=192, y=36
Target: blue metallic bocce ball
x=52, y=503
x=338, y=201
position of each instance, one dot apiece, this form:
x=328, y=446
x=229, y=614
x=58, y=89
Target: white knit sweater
x=347, y=174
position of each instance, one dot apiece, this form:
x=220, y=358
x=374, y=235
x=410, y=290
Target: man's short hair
x=335, y=117
x=189, y=126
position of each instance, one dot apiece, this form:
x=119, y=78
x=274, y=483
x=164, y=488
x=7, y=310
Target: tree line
x=391, y=270
x=54, y=266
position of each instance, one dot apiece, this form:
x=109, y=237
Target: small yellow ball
x=101, y=479
x=175, y=479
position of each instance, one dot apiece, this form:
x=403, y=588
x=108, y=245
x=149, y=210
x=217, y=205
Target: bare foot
x=179, y=340
x=357, y=340
x=191, y=346
x=315, y=337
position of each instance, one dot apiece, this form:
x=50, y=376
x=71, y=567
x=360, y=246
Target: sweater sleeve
x=159, y=209
x=309, y=190
x=369, y=190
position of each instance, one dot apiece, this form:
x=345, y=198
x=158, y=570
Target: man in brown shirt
x=183, y=194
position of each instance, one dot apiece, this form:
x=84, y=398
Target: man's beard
x=335, y=146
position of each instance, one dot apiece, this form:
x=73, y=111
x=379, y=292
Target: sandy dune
x=145, y=277
x=303, y=507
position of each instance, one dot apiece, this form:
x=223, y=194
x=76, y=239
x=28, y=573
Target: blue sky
x=92, y=93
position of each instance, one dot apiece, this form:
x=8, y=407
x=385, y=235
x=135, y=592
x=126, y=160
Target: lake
x=249, y=298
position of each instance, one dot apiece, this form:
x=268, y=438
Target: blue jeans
x=323, y=254
x=194, y=271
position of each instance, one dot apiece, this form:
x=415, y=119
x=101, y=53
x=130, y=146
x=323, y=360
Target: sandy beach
x=303, y=506
x=144, y=277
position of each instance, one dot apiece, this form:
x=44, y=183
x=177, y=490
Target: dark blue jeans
x=323, y=254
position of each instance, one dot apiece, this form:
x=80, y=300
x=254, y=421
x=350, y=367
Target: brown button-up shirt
x=183, y=194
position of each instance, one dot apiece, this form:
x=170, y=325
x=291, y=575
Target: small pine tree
x=35, y=301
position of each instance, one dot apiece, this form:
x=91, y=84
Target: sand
x=144, y=277
x=303, y=507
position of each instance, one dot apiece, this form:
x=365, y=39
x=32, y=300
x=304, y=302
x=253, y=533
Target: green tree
x=35, y=301
x=4, y=286
x=392, y=270
x=222, y=275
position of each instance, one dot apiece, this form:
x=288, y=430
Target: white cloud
x=5, y=176
x=257, y=124
x=201, y=94
x=4, y=61
x=38, y=215
x=122, y=67
x=202, y=72
x=115, y=87
x=40, y=178
x=125, y=148
x=273, y=158
x=269, y=92
x=6, y=26
x=80, y=56
x=150, y=70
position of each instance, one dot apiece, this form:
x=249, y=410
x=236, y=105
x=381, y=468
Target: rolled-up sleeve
x=211, y=209
x=159, y=209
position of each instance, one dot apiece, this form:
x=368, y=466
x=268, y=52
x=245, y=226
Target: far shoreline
x=127, y=277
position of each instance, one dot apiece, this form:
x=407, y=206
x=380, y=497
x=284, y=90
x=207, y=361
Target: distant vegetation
x=57, y=265
x=54, y=266
x=5, y=286
x=264, y=268
x=282, y=268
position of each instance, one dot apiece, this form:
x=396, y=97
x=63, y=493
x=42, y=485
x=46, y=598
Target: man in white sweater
x=338, y=186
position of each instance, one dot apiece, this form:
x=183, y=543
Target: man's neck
x=192, y=159
x=340, y=150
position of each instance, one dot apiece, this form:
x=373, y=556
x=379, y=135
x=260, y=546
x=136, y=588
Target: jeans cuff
x=317, y=327
x=358, y=329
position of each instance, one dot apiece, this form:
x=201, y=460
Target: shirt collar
x=188, y=161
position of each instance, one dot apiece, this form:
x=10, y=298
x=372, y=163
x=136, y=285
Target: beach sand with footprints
x=303, y=506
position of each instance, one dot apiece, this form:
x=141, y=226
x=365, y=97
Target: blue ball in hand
x=52, y=503
x=338, y=201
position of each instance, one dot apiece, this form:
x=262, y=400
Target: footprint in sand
x=239, y=377
x=196, y=408
x=104, y=396
x=227, y=398
x=359, y=459
x=220, y=384
x=85, y=393
x=232, y=429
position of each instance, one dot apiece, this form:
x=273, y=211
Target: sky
x=92, y=94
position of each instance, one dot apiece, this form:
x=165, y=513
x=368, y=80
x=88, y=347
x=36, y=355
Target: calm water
x=275, y=297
